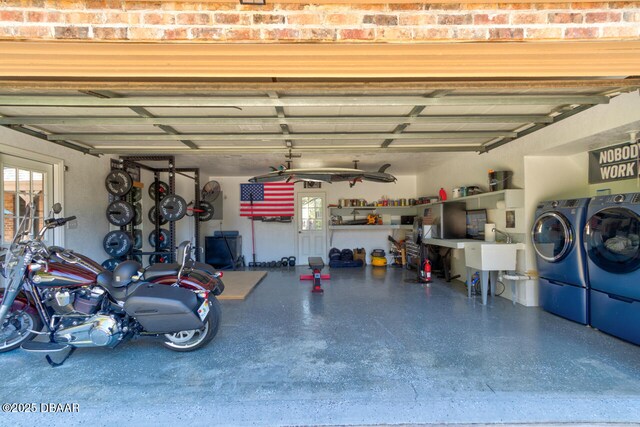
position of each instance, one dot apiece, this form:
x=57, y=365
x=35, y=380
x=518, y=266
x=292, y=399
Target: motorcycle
x=74, y=307
x=187, y=274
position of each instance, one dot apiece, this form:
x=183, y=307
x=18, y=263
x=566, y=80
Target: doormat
x=239, y=284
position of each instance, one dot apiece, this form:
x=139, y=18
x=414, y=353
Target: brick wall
x=231, y=22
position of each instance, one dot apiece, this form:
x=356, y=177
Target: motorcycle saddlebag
x=164, y=309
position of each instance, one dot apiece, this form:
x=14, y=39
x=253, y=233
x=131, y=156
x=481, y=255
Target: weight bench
x=316, y=265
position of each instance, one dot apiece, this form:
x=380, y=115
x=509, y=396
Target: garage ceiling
x=334, y=118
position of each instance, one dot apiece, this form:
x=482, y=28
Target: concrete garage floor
x=373, y=349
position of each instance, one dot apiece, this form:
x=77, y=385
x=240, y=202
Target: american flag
x=269, y=199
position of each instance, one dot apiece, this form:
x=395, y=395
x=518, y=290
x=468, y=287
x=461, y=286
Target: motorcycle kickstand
x=54, y=364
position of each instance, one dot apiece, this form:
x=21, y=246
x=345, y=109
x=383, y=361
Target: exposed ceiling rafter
x=142, y=112
x=564, y=115
x=284, y=127
x=37, y=133
x=415, y=111
x=89, y=137
x=288, y=120
x=306, y=101
x=275, y=149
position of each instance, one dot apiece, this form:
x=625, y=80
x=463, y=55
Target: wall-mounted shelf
x=371, y=227
x=364, y=210
x=513, y=198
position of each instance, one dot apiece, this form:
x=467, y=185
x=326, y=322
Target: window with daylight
x=24, y=182
x=311, y=213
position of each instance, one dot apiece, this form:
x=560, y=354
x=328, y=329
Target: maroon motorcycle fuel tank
x=84, y=262
x=90, y=264
x=65, y=275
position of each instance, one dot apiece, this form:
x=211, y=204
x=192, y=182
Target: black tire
x=212, y=325
x=28, y=319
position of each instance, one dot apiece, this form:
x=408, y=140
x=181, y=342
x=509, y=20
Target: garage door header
x=56, y=60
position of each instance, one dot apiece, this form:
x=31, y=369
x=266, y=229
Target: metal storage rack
x=171, y=170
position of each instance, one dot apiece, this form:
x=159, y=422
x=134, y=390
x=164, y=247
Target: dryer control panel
x=617, y=199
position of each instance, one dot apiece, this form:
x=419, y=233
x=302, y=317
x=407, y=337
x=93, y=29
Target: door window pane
x=22, y=187
x=37, y=196
x=24, y=191
x=311, y=213
x=37, y=192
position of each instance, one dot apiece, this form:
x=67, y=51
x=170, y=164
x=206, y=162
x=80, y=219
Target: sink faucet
x=507, y=235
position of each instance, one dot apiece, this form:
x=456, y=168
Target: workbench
x=449, y=244
x=485, y=276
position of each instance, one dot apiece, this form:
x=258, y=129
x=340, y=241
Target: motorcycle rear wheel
x=195, y=339
x=16, y=329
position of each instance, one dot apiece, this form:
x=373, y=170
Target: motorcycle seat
x=159, y=270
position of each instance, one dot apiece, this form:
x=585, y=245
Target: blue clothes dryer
x=612, y=243
x=557, y=239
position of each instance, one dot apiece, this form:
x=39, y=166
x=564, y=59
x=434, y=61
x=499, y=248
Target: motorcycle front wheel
x=197, y=338
x=17, y=328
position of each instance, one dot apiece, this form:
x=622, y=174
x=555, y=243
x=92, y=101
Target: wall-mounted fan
x=210, y=191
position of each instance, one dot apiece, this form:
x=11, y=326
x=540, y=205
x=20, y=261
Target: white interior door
x=312, y=226
x=22, y=182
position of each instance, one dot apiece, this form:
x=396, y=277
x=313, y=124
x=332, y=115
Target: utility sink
x=489, y=256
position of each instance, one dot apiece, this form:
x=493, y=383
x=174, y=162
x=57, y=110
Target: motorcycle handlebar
x=63, y=221
x=53, y=223
x=57, y=222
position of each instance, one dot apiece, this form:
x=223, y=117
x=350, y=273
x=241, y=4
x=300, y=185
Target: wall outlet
x=72, y=225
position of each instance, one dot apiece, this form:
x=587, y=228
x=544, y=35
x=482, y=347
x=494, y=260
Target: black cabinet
x=221, y=256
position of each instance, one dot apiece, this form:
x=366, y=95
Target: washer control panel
x=566, y=204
